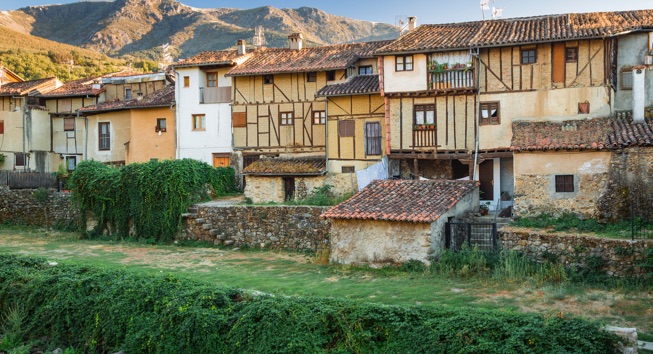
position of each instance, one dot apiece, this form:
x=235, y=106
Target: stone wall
x=282, y=227
x=621, y=257
x=265, y=189
x=19, y=206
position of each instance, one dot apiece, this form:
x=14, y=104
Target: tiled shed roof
x=403, y=200
x=81, y=87
x=161, y=98
x=591, y=134
x=356, y=85
x=32, y=87
x=306, y=166
x=216, y=57
x=283, y=60
x=519, y=31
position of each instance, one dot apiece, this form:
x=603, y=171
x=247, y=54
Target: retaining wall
x=20, y=206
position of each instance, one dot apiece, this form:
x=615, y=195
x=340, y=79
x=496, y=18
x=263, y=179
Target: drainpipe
x=177, y=93
x=326, y=134
x=478, y=109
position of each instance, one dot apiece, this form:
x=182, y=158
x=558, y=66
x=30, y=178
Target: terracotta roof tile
x=519, y=30
x=81, y=87
x=228, y=57
x=403, y=200
x=594, y=134
x=283, y=60
x=161, y=98
x=356, y=85
x=32, y=87
x=313, y=166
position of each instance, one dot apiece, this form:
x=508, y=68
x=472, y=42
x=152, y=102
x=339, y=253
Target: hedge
x=106, y=310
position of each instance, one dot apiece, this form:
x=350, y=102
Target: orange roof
x=217, y=57
x=161, y=98
x=81, y=87
x=32, y=87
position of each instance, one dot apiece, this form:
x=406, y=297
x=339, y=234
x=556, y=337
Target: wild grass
x=571, y=223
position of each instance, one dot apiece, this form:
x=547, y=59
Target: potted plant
x=484, y=208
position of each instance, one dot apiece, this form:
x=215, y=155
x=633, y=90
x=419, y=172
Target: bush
x=98, y=310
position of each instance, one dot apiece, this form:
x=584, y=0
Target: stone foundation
x=19, y=206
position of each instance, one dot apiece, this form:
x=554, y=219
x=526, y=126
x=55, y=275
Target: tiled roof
x=82, y=87
x=283, y=60
x=519, y=30
x=32, y=87
x=590, y=134
x=311, y=166
x=161, y=98
x=356, y=85
x=216, y=57
x=403, y=200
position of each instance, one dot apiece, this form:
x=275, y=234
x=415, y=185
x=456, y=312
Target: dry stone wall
x=282, y=227
x=20, y=206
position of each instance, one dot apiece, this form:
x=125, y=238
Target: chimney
x=639, y=93
x=412, y=23
x=296, y=41
x=241, y=46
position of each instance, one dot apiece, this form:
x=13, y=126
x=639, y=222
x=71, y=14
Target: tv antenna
x=401, y=22
x=259, y=37
x=495, y=12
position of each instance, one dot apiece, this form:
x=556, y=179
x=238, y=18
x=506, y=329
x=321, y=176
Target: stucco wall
x=120, y=134
x=535, y=182
x=632, y=48
x=145, y=143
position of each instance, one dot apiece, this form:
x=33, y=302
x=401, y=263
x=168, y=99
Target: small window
x=128, y=94
x=311, y=77
x=626, y=82
x=71, y=162
x=69, y=124
x=319, y=117
x=65, y=106
x=490, y=113
x=528, y=56
x=404, y=63
x=2, y=126
x=424, y=116
x=365, y=70
x=161, y=125
x=104, y=142
x=199, y=122
x=19, y=159
x=212, y=80
x=571, y=54
x=331, y=75
x=286, y=118
x=346, y=128
x=348, y=169
x=564, y=183
x=373, y=138
x=268, y=79
x=239, y=119
x=186, y=81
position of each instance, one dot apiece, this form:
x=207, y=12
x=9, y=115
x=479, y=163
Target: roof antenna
x=259, y=37
x=401, y=23
x=497, y=12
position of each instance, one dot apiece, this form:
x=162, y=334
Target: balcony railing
x=215, y=94
x=448, y=79
x=425, y=137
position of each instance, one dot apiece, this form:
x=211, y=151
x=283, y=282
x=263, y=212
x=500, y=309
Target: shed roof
x=356, y=85
x=161, y=98
x=299, y=166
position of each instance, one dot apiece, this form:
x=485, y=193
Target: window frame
x=365, y=68
x=346, y=128
x=404, y=62
x=487, y=106
x=239, y=119
x=563, y=185
x=524, y=54
x=2, y=126
x=186, y=81
x=319, y=117
x=128, y=93
x=202, y=122
x=373, y=143
x=571, y=54
x=104, y=140
x=161, y=127
x=331, y=75
x=424, y=108
x=23, y=158
x=311, y=76
x=212, y=79
x=625, y=70
x=347, y=169
x=286, y=119
x=70, y=158
x=268, y=79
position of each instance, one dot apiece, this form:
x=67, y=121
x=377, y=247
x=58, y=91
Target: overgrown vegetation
x=148, y=197
x=320, y=196
x=570, y=222
x=97, y=310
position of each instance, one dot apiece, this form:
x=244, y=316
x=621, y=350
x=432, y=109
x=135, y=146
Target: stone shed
x=398, y=220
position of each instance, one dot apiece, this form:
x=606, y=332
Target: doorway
x=288, y=188
x=486, y=177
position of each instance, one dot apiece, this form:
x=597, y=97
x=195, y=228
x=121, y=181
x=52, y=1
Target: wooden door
x=221, y=160
x=558, y=74
x=486, y=177
x=289, y=188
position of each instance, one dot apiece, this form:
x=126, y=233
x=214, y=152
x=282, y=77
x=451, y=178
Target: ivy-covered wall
x=34, y=207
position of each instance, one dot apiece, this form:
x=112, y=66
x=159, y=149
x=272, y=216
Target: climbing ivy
x=145, y=200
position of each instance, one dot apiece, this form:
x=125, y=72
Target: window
x=19, y=159
x=2, y=126
x=319, y=117
x=71, y=162
x=348, y=169
x=268, y=79
x=571, y=54
x=365, y=70
x=199, y=122
x=425, y=116
x=239, y=119
x=104, y=136
x=160, y=125
x=212, y=80
x=311, y=77
x=373, y=138
x=564, y=183
x=490, y=113
x=626, y=81
x=65, y=106
x=346, y=128
x=128, y=94
x=285, y=118
x=186, y=81
x=528, y=56
x=331, y=75
x=69, y=124
x=404, y=63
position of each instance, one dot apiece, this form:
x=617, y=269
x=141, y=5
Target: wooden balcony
x=215, y=94
x=425, y=137
x=452, y=79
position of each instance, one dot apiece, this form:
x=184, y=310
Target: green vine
x=145, y=200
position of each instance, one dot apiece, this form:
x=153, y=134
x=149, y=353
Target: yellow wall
x=114, y=91
x=145, y=143
x=120, y=134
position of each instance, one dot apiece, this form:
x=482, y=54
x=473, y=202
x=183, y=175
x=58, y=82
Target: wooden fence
x=27, y=180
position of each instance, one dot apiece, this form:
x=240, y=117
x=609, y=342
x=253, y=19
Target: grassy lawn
x=291, y=274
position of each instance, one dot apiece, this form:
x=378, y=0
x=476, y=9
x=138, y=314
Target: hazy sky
x=427, y=11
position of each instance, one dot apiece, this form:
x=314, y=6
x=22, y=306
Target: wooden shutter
x=68, y=124
x=372, y=138
x=66, y=105
x=239, y=119
x=346, y=128
x=2, y=126
x=558, y=62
